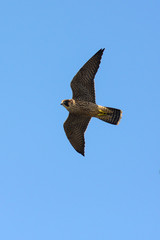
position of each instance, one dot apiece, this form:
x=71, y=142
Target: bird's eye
x=66, y=103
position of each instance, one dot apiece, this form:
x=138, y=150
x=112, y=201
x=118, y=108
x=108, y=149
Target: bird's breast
x=84, y=108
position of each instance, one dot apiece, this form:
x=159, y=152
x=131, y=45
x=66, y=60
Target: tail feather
x=110, y=115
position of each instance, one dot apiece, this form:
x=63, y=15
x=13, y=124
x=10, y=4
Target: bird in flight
x=82, y=107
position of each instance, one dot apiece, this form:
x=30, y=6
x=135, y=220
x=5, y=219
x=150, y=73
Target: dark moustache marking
x=66, y=103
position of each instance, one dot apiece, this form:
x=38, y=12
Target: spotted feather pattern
x=75, y=127
x=83, y=82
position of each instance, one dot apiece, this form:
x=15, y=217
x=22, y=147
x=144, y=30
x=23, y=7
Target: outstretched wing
x=83, y=82
x=74, y=128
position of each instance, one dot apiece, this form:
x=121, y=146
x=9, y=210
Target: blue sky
x=47, y=189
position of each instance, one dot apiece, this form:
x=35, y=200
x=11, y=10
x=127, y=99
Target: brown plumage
x=82, y=107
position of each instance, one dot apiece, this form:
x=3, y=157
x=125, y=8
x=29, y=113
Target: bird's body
x=88, y=109
x=82, y=107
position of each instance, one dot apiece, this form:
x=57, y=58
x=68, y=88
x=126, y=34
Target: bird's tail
x=110, y=115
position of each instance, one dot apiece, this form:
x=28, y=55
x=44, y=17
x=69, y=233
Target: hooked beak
x=61, y=103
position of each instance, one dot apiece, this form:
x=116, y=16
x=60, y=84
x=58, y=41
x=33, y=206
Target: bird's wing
x=75, y=127
x=83, y=82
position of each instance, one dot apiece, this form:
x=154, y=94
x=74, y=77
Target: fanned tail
x=110, y=115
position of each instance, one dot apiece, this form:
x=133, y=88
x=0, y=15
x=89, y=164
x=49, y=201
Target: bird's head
x=67, y=103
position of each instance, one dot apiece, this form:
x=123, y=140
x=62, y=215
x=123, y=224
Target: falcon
x=82, y=107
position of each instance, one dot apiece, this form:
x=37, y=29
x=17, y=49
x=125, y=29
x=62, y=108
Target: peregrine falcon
x=82, y=107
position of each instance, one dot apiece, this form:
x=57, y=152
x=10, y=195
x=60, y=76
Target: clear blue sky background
x=47, y=189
